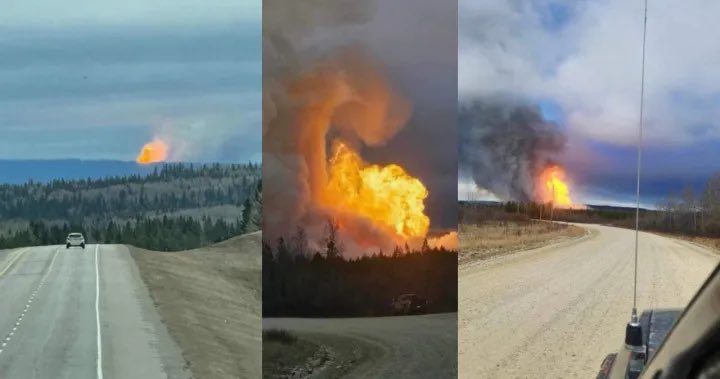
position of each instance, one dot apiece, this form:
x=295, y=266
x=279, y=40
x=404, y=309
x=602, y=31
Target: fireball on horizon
x=153, y=152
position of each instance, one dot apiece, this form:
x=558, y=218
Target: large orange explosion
x=155, y=151
x=387, y=195
x=556, y=189
x=343, y=98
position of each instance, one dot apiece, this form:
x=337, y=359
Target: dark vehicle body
x=676, y=343
x=408, y=304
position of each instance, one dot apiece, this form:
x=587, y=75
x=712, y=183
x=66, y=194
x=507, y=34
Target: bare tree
x=299, y=242
x=334, y=249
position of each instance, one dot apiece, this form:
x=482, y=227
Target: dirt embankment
x=492, y=238
x=209, y=299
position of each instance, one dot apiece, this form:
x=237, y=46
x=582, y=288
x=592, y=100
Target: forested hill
x=176, y=206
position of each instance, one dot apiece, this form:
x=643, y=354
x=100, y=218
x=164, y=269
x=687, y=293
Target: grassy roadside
x=287, y=356
x=209, y=299
x=711, y=243
x=492, y=238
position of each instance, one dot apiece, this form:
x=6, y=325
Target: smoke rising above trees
x=504, y=145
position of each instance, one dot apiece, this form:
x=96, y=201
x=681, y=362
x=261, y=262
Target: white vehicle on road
x=75, y=239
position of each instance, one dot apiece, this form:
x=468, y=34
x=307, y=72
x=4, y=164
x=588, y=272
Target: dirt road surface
x=381, y=347
x=556, y=311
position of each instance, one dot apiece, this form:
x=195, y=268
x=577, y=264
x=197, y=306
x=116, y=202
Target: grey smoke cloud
x=504, y=145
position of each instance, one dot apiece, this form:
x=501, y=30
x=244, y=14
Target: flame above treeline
x=554, y=187
x=387, y=195
x=152, y=152
x=344, y=101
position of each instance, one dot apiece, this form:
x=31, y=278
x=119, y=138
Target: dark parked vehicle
x=409, y=303
x=672, y=343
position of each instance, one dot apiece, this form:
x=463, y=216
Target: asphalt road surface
x=557, y=311
x=73, y=313
x=381, y=347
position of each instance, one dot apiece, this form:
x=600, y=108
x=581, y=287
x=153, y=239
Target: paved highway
x=74, y=313
x=555, y=312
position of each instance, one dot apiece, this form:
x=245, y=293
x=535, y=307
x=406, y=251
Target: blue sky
x=579, y=63
x=95, y=79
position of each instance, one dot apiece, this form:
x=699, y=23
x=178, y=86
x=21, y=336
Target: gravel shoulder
x=209, y=299
x=556, y=311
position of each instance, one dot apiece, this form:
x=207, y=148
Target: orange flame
x=448, y=241
x=155, y=151
x=557, y=189
x=387, y=195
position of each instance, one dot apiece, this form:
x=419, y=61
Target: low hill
x=172, y=207
x=209, y=299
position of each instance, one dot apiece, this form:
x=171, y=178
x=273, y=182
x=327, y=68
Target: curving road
x=380, y=347
x=555, y=312
x=73, y=313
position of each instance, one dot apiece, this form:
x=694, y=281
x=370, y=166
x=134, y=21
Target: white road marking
x=97, y=315
x=12, y=261
x=27, y=305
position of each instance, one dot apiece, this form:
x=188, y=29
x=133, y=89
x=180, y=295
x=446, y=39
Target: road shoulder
x=540, y=247
x=209, y=299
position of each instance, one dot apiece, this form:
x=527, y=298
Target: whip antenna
x=639, y=163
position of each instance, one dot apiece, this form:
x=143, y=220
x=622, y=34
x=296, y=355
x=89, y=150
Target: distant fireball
x=155, y=151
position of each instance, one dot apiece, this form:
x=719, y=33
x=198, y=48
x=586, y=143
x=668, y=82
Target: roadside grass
x=490, y=238
x=284, y=355
x=279, y=335
x=711, y=243
x=209, y=299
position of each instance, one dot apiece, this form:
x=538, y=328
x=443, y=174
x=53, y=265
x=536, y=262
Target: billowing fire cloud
x=387, y=195
x=154, y=151
x=344, y=98
x=321, y=108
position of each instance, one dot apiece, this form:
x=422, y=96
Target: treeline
x=301, y=283
x=163, y=234
x=35, y=217
x=688, y=213
x=520, y=211
x=173, y=186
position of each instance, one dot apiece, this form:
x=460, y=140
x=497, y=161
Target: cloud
x=580, y=62
x=586, y=57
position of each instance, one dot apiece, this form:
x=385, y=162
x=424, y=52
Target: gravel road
x=381, y=347
x=556, y=311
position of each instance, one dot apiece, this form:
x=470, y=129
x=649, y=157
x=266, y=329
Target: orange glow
x=557, y=189
x=155, y=151
x=387, y=195
x=449, y=241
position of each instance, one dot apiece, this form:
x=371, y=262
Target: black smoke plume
x=504, y=145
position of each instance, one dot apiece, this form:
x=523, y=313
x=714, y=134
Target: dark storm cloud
x=421, y=58
x=606, y=173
